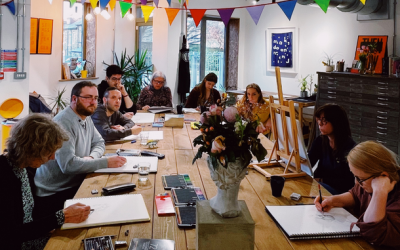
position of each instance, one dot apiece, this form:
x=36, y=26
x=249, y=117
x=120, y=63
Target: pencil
x=320, y=196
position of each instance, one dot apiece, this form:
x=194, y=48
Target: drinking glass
x=144, y=137
x=144, y=169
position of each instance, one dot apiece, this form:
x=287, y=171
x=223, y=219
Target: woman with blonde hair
x=375, y=197
x=252, y=106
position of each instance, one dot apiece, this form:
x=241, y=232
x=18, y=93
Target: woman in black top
x=32, y=142
x=331, y=149
x=204, y=94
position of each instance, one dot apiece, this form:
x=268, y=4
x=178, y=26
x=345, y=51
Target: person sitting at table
x=110, y=123
x=113, y=79
x=32, y=142
x=59, y=179
x=375, y=197
x=252, y=106
x=204, y=94
x=331, y=148
x=157, y=94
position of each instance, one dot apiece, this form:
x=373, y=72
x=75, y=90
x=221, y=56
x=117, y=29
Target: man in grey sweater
x=59, y=179
x=109, y=121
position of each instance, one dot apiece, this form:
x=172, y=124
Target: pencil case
x=118, y=188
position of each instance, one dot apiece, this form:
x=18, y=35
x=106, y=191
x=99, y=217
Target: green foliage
x=328, y=59
x=303, y=83
x=137, y=72
x=59, y=103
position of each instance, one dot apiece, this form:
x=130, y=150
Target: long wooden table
x=179, y=151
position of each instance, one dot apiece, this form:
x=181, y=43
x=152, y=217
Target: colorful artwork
x=376, y=48
x=282, y=50
x=45, y=36
x=34, y=34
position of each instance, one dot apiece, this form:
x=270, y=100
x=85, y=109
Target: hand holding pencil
x=326, y=205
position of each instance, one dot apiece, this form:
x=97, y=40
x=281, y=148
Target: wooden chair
x=292, y=155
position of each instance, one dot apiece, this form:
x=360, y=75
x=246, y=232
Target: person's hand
x=145, y=108
x=128, y=115
x=116, y=161
x=76, y=213
x=136, y=129
x=268, y=125
x=198, y=108
x=88, y=158
x=117, y=127
x=382, y=184
x=327, y=203
x=122, y=89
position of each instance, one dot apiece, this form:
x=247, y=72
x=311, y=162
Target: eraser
x=295, y=196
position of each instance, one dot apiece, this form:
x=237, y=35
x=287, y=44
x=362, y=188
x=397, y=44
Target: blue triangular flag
x=255, y=12
x=288, y=7
x=11, y=7
x=103, y=4
x=169, y=2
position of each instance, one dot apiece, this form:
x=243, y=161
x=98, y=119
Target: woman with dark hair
x=331, y=149
x=204, y=94
x=33, y=141
x=252, y=106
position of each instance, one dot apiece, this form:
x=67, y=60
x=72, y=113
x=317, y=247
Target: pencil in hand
x=320, y=196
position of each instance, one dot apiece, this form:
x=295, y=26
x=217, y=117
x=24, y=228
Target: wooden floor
x=178, y=148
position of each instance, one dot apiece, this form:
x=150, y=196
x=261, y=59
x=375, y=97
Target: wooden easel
x=293, y=156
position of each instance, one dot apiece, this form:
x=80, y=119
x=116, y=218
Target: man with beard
x=110, y=123
x=113, y=79
x=59, y=179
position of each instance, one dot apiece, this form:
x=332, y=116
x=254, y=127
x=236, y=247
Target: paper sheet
x=153, y=135
x=190, y=110
x=141, y=118
x=131, y=165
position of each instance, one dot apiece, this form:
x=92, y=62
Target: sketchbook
x=306, y=222
x=141, y=118
x=160, y=109
x=153, y=135
x=132, y=165
x=110, y=210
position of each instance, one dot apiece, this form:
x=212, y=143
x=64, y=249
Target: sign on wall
x=41, y=36
x=34, y=34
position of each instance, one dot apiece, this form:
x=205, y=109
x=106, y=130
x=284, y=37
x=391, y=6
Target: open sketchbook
x=132, y=165
x=110, y=210
x=160, y=109
x=140, y=118
x=306, y=222
x=153, y=135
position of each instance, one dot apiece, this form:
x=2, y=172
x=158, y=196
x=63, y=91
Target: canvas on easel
x=288, y=139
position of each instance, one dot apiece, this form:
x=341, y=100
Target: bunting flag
x=156, y=2
x=72, y=2
x=184, y=5
x=288, y=8
x=171, y=13
x=112, y=4
x=225, y=15
x=323, y=4
x=255, y=12
x=103, y=4
x=197, y=15
x=363, y=1
x=124, y=7
x=11, y=7
x=169, y=2
x=144, y=2
x=147, y=11
x=93, y=3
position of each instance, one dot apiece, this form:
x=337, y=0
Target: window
x=207, y=50
x=144, y=35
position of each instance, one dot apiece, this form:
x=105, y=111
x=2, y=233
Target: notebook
x=131, y=165
x=306, y=222
x=164, y=204
x=153, y=135
x=110, y=210
x=141, y=118
x=159, y=109
x=150, y=244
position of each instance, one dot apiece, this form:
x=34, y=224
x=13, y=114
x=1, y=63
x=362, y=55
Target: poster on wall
x=282, y=49
x=9, y=60
x=34, y=35
x=45, y=36
x=375, y=49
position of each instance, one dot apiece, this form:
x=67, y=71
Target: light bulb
x=88, y=17
x=50, y=1
x=130, y=17
x=105, y=14
x=96, y=10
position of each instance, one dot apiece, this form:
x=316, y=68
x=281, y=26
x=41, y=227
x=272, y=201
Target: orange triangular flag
x=197, y=15
x=171, y=13
x=112, y=4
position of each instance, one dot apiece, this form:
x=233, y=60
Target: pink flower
x=218, y=145
x=204, y=117
x=215, y=110
x=260, y=128
x=363, y=47
x=230, y=114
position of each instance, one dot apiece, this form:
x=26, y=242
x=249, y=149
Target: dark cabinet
x=372, y=104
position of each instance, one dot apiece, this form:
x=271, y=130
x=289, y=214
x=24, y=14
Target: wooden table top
x=179, y=151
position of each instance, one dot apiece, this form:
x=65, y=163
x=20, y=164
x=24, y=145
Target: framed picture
x=34, y=34
x=45, y=36
x=379, y=45
x=282, y=46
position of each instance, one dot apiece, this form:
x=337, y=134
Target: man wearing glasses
x=59, y=179
x=114, y=79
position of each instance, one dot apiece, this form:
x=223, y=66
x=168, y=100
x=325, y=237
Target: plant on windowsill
x=136, y=72
x=59, y=103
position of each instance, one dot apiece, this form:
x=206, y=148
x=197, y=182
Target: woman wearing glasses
x=331, y=148
x=375, y=197
x=157, y=94
x=204, y=94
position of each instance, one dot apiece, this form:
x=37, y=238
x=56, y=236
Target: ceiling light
x=50, y=1
x=105, y=14
x=130, y=15
x=89, y=16
x=96, y=10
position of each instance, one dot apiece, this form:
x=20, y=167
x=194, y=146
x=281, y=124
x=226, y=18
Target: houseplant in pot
x=230, y=142
x=303, y=86
x=328, y=62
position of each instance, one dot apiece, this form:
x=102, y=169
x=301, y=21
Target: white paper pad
x=141, y=118
x=190, y=110
x=131, y=165
x=108, y=210
x=153, y=135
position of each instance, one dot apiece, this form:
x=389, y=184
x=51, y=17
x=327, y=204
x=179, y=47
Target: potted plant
x=136, y=72
x=59, y=103
x=328, y=62
x=303, y=86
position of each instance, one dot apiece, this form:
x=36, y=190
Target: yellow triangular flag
x=112, y=4
x=171, y=13
x=94, y=3
x=147, y=11
x=363, y=1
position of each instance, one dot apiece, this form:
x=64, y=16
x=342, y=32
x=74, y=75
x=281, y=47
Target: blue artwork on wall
x=282, y=50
